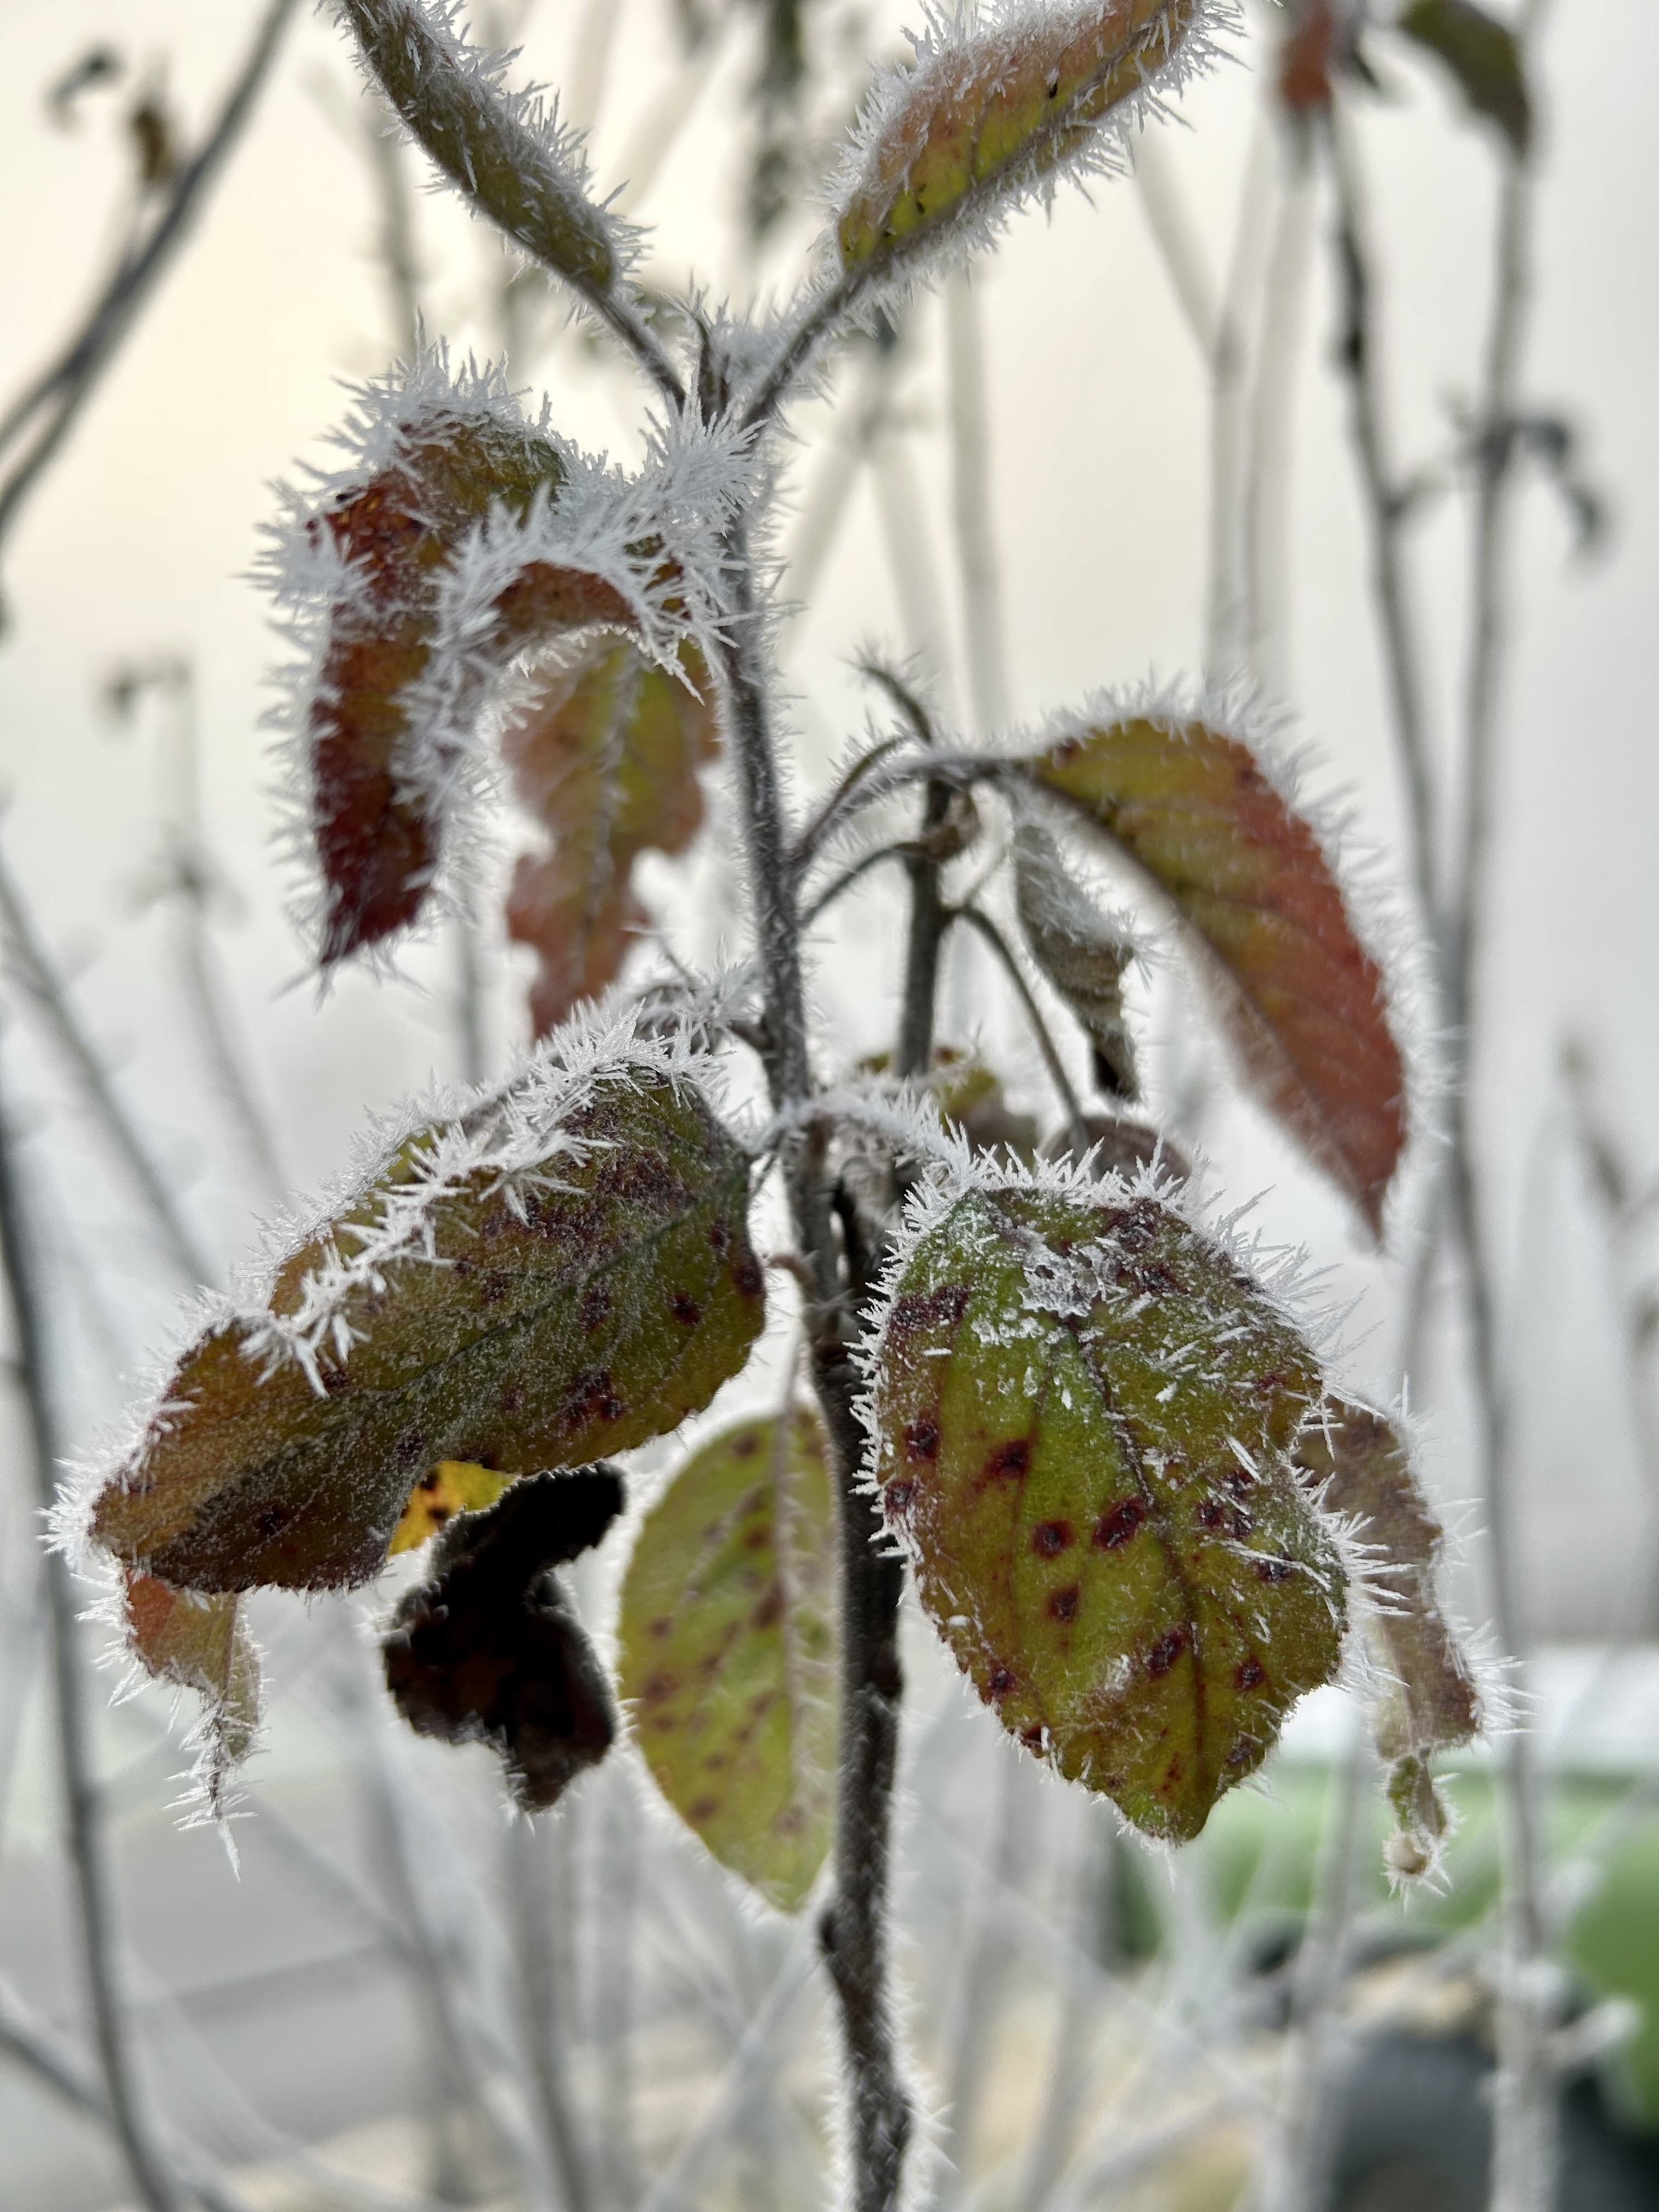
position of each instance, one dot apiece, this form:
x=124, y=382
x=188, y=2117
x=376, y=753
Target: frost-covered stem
x=1523, y=2116
x=832, y=310
x=970, y=507
x=1272, y=410
x=1078, y=1127
x=30, y=968
x=854, y=1930
x=1356, y=355
x=82, y=1801
x=913, y=1054
x=71, y=378
x=1295, y=2177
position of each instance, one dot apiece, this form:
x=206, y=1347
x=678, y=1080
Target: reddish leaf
x=199, y=1643
x=605, y=757
x=489, y=1650
x=1305, y=1001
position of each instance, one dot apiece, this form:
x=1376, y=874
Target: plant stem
x=1046, y=1045
x=132, y=2123
x=853, y=1930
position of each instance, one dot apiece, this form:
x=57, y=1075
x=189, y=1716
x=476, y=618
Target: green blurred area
x=1259, y=1853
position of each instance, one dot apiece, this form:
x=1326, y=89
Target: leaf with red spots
x=199, y=1643
x=1427, y=1700
x=1083, y=1413
x=727, y=1650
x=605, y=757
x=1305, y=1001
x=490, y=1651
x=562, y=1272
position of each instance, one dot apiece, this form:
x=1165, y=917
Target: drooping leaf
x=564, y=1272
x=1482, y=54
x=1428, y=1700
x=991, y=110
x=605, y=758
x=1081, y=951
x=199, y=1643
x=1308, y=56
x=1305, y=1002
x=1083, y=1413
x=727, y=1650
x=455, y=1485
x=490, y=1651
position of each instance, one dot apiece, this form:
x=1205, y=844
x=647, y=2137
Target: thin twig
x=134, y=2126
x=71, y=378
x=33, y=973
x=1077, y=1127
x=970, y=509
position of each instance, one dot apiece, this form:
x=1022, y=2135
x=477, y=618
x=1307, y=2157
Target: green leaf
x=727, y=1650
x=991, y=110
x=562, y=1274
x=1303, y=1000
x=1427, y=1699
x=605, y=756
x=1482, y=54
x=1082, y=953
x=1083, y=1413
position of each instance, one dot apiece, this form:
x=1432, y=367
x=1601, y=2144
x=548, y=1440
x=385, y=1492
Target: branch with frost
x=507, y=154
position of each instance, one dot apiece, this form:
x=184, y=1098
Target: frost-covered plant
x=1092, y=1428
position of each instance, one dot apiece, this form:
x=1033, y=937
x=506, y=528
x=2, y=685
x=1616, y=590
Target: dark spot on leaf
x=1242, y=1752
x=1009, y=1462
x=927, y=1311
x=1001, y=1681
x=1210, y=1514
x=1274, y=1571
x=921, y=1440
x=897, y=1496
x=745, y=1446
x=1164, y=1653
x=703, y=1810
x=1063, y=1604
x=270, y=1519
x=596, y=1304
x=412, y=1449
x=685, y=1309
x=1050, y=1538
x=747, y=1276
x=1249, y=1674
x=1118, y=1523
x=718, y=1236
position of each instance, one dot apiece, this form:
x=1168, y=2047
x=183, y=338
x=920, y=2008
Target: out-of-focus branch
x=135, y=2128
x=32, y=972
x=970, y=509
x=67, y=383
x=1070, y=1103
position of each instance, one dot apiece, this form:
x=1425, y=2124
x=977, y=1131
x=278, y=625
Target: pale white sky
x=140, y=539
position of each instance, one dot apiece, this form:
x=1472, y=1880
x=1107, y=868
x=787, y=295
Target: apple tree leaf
x=1083, y=1412
x=1303, y=1000
x=1427, y=1701
x=564, y=1270
x=1483, y=55
x=727, y=1650
x=605, y=756
x=490, y=1651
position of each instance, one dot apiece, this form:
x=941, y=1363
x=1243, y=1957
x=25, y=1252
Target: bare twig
x=70, y=379
x=970, y=509
x=34, y=974
x=129, y=2117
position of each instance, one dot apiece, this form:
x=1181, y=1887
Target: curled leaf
x=1083, y=1413
x=605, y=757
x=1082, y=952
x=727, y=1650
x=1305, y=1001
x=563, y=1272
x=1429, y=1702
x=503, y=153
x=1483, y=55
x=199, y=1643
x=992, y=109
x=489, y=1650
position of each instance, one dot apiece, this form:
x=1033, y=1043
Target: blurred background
x=1125, y=450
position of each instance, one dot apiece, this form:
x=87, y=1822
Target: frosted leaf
x=1083, y=1411
x=1082, y=952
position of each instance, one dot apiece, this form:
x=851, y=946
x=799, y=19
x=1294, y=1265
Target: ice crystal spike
x=726, y=1644
x=997, y=103
x=1425, y=1698
x=1083, y=1411
x=605, y=756
x=1081, y=951
x=560, y=1271
x=1303, y=1000
x=502, y=153
x=490, y=1651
